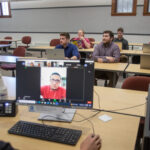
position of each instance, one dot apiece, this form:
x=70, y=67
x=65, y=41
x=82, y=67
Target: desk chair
x=20, y=51
x=26, y=40
x=6, y=42
x=54, y=42
x=140, y=83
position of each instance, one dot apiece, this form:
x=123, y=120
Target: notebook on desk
x=146, y=48
x=78, y=43
x=55, y=54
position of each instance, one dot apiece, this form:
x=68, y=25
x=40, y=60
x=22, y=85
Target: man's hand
x=74, y=57
x=66, y=58
x=92, y=142
x=81, y=38
x=100, y=60
x=111, y=59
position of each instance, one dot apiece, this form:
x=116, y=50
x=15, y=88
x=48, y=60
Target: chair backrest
x=26, y=40
x=8, y=38
x=6, y=42
x=91, y=40
x=19, y=51
x=54, y=42
x=140, y=83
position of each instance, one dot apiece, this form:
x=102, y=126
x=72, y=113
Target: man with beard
x=106, y=52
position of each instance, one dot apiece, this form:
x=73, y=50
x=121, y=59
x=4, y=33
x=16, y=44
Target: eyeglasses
x=57, y=81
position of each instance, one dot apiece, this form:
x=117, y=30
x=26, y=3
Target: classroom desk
x=11, y=40
x=135, y=68
x=135, y=44
x=130, y=44
x=4, y=46
x=133, y=52
x=118, y=134
x=113, y=67
x=114, y=99
x=40, y=49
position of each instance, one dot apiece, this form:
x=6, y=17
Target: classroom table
x=120, y=100
x=111, y=67
x=117, y=134
x=135, y=44
x=4, y=46
x=133, y=52
x=11, y=40
x=130, y=44
x=40, y=49
x=135, y=68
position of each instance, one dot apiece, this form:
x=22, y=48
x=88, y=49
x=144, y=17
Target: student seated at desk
x=92, y=142
x=106, y=52
x=121, y=39
x=124, y=42
x=82, y=42
x=85, y=43
x=70, y=50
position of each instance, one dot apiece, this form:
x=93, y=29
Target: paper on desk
x=105, y=118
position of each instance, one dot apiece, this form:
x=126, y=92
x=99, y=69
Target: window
x=5, y=10
x=123, y=7
x=146, y=8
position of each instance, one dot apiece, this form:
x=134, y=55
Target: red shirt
x=48, y=93
x=83, y=45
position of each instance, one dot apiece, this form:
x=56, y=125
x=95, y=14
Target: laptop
x=119, y=44
x=146, y=48
x=55, y=54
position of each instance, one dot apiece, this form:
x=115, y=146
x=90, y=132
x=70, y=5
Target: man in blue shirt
x=71, y=51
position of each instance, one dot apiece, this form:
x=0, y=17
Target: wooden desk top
x=133, y=52
x=115, y=67
x=115, y=99
x=132, y=44
x=135, y=68
x=118, y=134
x=136, y=44
x=42, y=47
x=90, y=50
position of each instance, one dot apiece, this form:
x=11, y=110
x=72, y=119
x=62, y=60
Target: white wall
x=41, y=18
x=62, y=3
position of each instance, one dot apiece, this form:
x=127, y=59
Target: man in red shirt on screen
x=53, y=91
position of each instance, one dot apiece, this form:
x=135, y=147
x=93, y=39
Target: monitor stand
x=53, y=113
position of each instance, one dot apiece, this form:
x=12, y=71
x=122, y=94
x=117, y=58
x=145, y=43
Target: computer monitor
x=61, y=83
x=146, y=134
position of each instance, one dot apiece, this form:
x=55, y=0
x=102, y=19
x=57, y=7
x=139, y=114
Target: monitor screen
x=65, y=83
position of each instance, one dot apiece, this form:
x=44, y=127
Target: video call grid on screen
x=65, y=83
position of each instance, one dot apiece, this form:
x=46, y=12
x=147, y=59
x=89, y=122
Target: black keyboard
x=46, y=132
